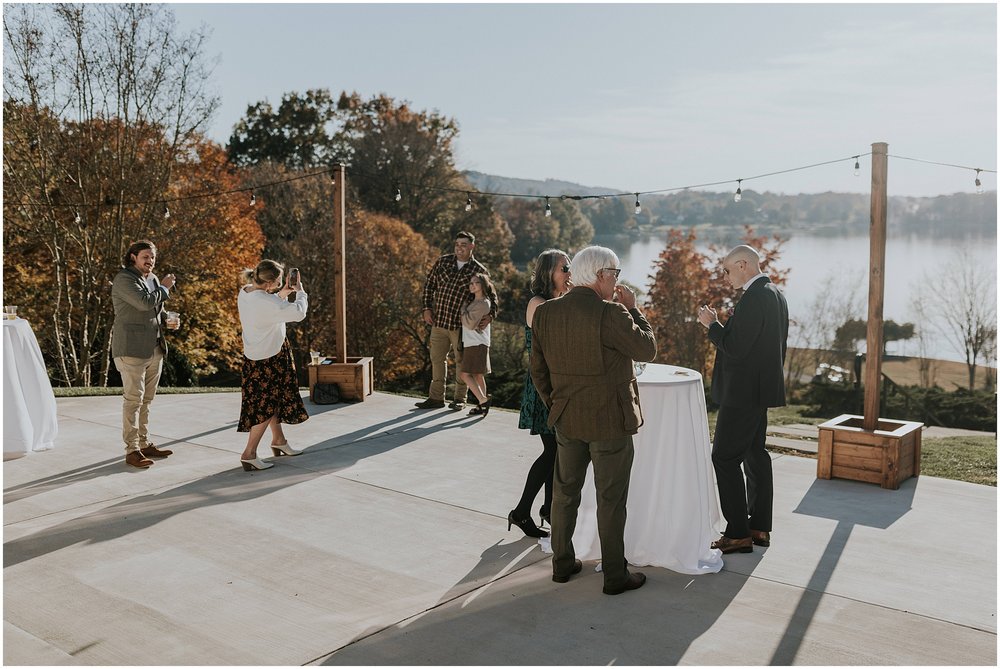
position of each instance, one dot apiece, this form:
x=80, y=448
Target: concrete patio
x=386, y=543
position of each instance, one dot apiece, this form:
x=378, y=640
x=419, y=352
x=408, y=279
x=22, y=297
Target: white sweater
x=263, y=317
x=472, y=313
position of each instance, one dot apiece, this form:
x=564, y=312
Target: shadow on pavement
x=507, y=611
x=225, y=487
x=850, y=503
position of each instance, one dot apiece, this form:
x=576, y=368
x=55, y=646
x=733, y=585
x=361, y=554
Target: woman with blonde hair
x=269, y=388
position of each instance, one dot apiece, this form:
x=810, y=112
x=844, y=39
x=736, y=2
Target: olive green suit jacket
x=137, y=327
x=582, y=351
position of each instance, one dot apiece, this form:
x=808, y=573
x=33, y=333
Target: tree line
x=105, y=108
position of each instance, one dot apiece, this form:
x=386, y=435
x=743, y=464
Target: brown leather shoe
x=635, y=581
x=760, y=538
x=152, y=451
x=728, y=545
x=562, y=578
x=136, y=459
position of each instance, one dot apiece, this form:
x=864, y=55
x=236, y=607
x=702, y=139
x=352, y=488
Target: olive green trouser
x=612, y=468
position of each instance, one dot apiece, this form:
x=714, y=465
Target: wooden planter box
x=888, y=455
x=354, y=378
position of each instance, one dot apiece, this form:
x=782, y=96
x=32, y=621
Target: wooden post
x=876, y=283
x=339, y=273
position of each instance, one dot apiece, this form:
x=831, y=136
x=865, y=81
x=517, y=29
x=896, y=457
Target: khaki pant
x=140, y=377
x=612, y=468
x=442, y=341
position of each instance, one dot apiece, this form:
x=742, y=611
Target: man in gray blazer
x=581, y=364
x=138, y=346
x=748, y=378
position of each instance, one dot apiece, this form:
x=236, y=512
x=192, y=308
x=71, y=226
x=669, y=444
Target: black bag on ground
x=326, y=393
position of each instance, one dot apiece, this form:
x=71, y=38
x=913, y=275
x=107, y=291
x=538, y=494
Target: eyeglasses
x=725, y=270
x=565, y=269
x=616, y=270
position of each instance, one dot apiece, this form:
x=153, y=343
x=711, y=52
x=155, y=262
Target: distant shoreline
x=905, y=370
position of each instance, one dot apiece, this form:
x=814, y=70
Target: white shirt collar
x=752, y=279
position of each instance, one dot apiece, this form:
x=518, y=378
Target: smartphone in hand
x=293, y=276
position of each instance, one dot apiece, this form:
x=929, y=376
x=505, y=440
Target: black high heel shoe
x=485, y=406
x=544, y=514
x=527, y=526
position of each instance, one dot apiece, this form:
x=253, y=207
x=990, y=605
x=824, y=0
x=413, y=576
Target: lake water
x=816, y=260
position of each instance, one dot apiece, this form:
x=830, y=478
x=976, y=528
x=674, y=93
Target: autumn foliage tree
x=102, y=110
x=685, y=278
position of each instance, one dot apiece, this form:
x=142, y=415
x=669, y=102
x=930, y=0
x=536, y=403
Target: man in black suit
x=748, y=378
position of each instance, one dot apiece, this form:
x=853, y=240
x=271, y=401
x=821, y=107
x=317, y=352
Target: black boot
x=544, y=514
x=527, y=526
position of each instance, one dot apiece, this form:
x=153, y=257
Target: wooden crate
x=888, y=455
x=353, y=378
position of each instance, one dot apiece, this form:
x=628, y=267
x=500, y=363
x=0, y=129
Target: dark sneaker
x=456, y=405
x=430, y=404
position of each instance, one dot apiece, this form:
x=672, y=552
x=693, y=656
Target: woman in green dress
x=550, y=280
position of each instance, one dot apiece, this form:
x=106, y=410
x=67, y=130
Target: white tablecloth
x=29, y=407
x=673, y=504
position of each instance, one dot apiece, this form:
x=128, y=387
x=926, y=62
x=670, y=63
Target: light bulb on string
x=979, y=183
x=333, y=178
x=253, y=199
x=638, y=207
x=739, y=191
x=77, y=219
x=399, y=195
x=166, y=211
x=548, y=208
x=468, y=202
x=857, y=166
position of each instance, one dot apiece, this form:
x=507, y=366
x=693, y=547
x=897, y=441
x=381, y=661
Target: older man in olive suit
x=582, y=351
x=138, y=346
x=748, y=378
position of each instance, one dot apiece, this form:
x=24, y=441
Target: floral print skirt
x=270, y=387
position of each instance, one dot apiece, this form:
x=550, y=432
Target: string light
x=77, y=219
x=638, y=207
x=857, y=166
x=253, y=198
x=331, y=174
x=468, y=202
x=548, y=208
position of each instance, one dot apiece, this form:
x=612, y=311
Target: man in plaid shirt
x=445, y=292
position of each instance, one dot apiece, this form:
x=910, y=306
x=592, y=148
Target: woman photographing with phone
x=269, y=388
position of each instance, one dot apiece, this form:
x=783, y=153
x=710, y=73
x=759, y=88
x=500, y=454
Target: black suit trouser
x=740, y=434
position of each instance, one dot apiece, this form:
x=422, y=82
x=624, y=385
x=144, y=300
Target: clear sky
x=646, y=96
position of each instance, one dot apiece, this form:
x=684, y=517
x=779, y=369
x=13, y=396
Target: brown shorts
x=476, y=359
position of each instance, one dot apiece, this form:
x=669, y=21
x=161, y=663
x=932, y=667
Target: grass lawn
x=162, y=390
x=972, y=459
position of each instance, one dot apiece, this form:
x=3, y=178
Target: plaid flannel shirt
x=447, y=290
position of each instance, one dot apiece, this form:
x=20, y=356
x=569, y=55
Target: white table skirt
x=29, y=407
x=673, y=504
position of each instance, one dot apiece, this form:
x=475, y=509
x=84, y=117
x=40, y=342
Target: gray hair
x=587, y=262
